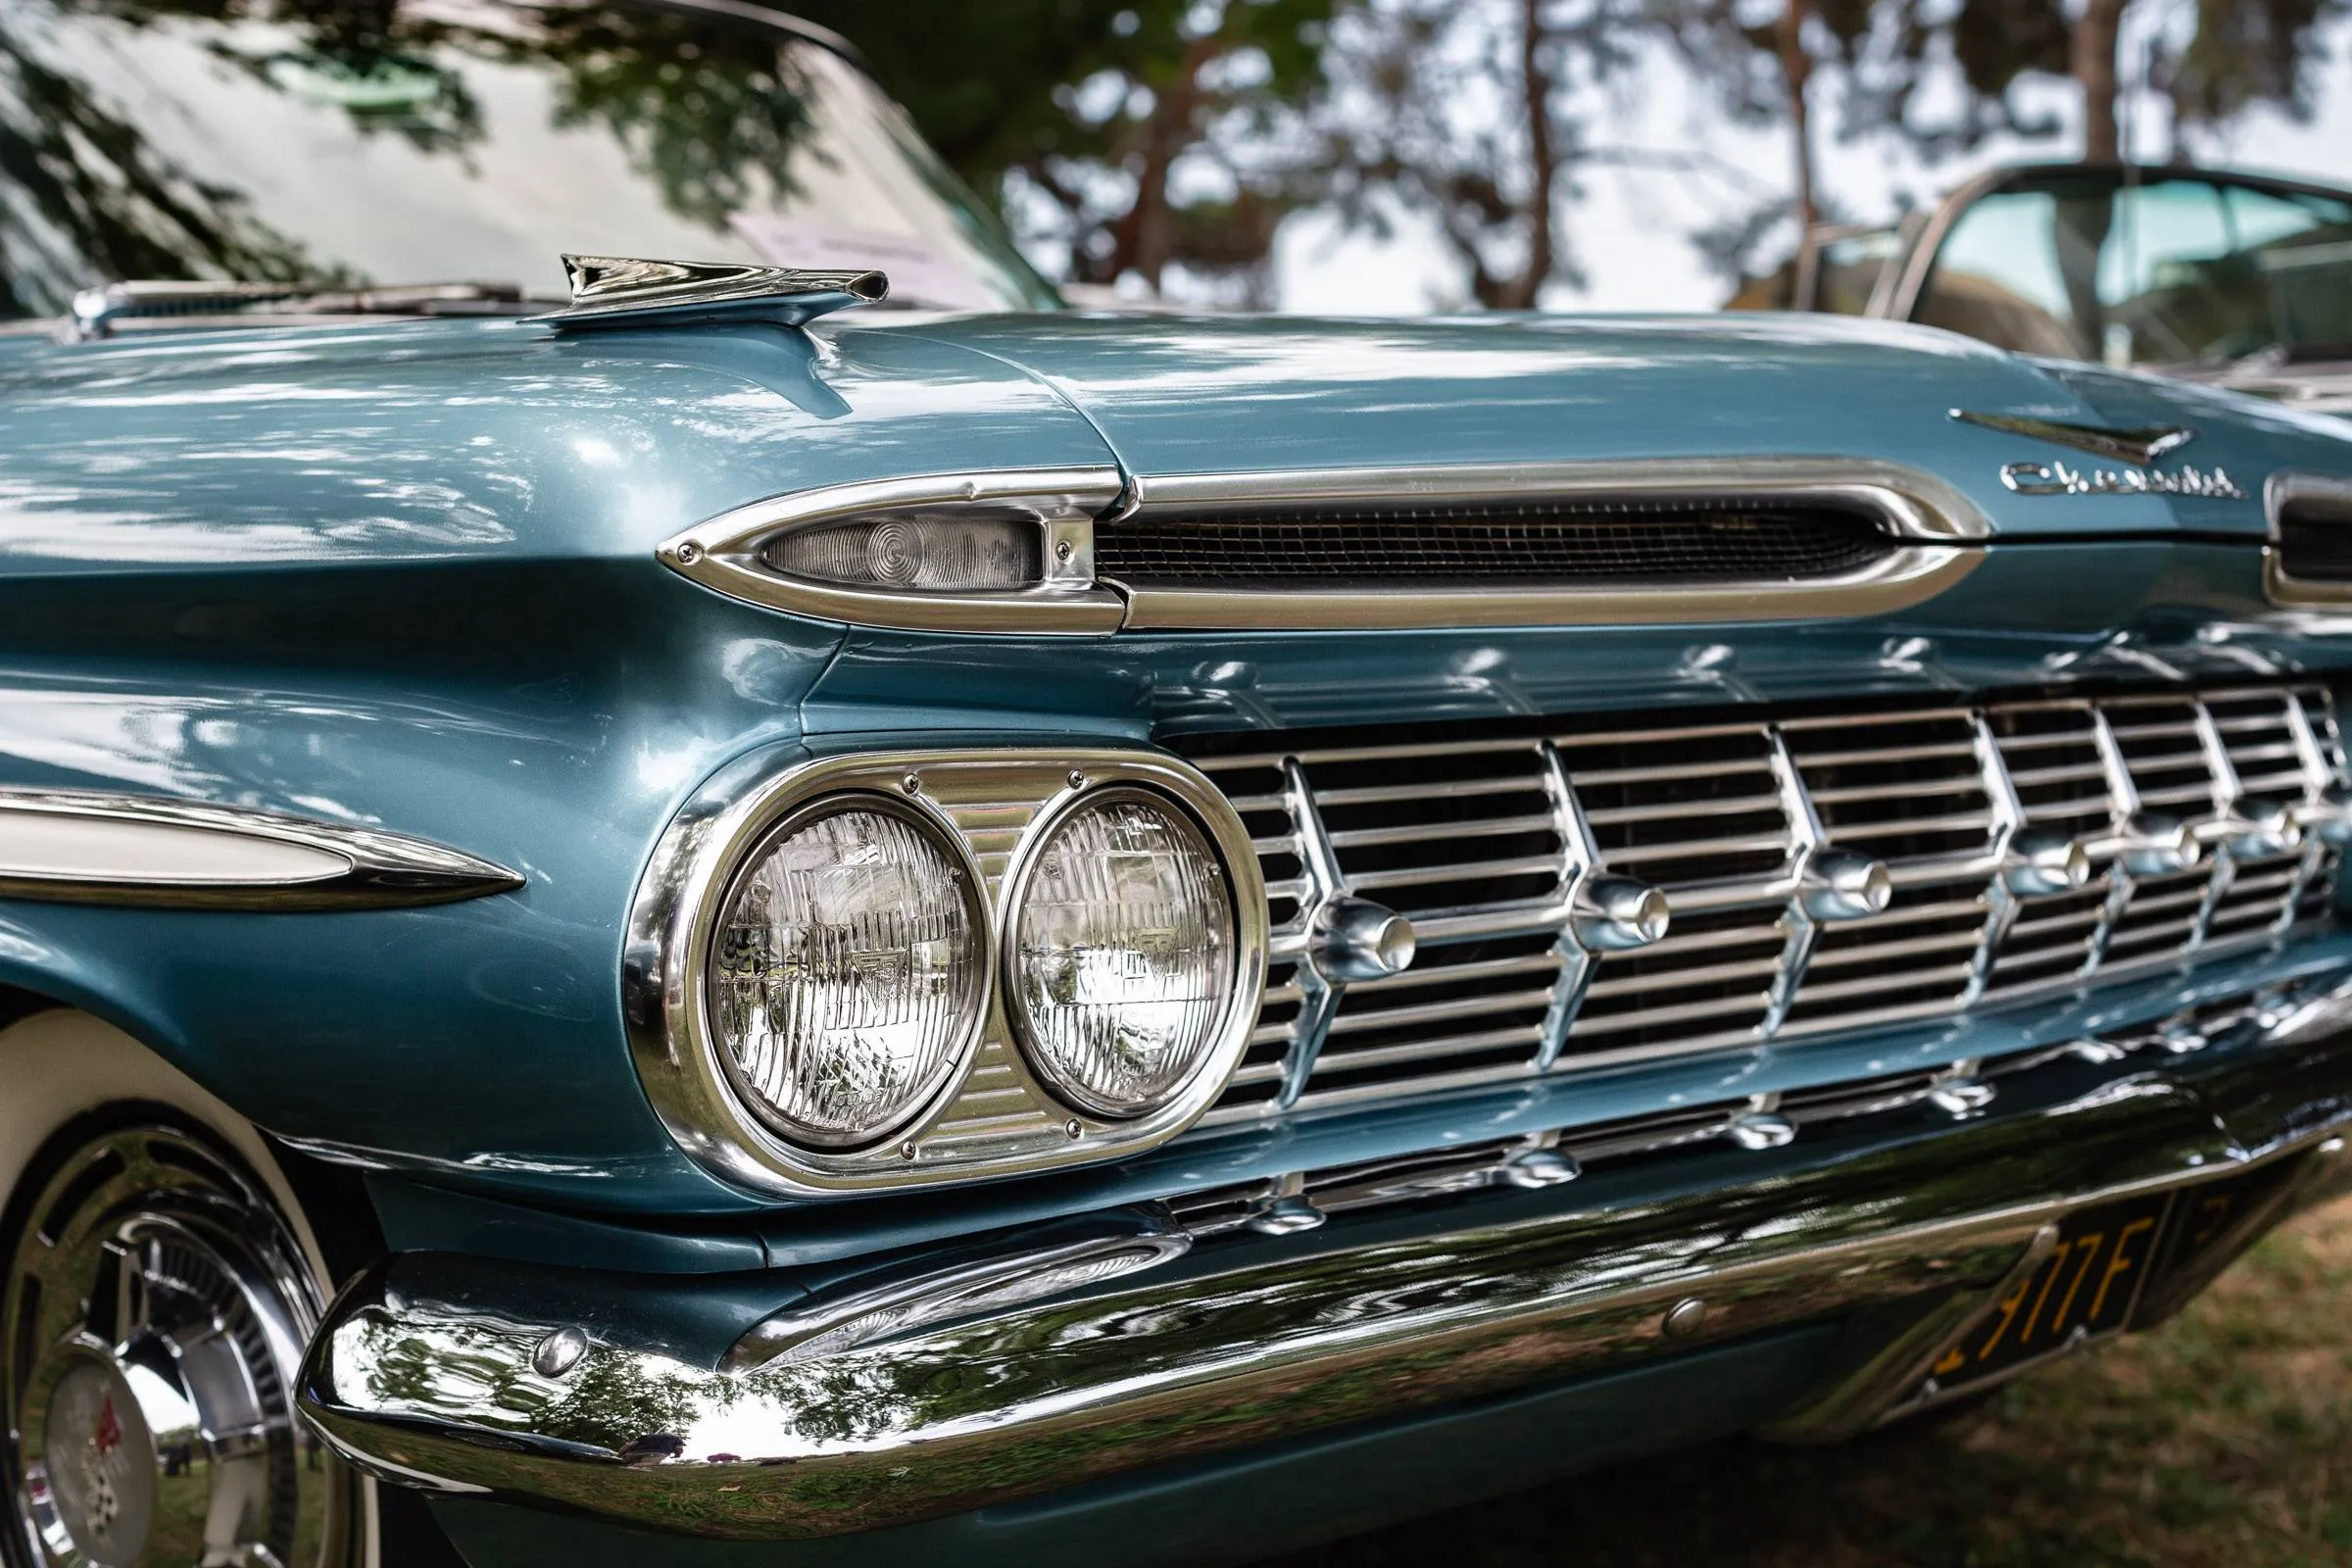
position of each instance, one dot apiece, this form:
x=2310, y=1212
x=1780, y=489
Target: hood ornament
x=2140, y=445
x=622, y=291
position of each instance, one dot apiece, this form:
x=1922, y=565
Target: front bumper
x=946, y=1380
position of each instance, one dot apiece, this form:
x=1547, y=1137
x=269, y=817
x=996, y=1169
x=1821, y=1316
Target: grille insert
x=1498, y=545
x=1480, y=830
x=2315, y=535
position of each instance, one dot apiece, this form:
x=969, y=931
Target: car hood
x=1184, y=395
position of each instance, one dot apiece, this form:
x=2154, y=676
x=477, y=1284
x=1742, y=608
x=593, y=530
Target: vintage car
x=2224, y=278
x=666, y=911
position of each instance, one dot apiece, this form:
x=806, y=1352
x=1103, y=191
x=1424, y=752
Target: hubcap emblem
x=101, y=1463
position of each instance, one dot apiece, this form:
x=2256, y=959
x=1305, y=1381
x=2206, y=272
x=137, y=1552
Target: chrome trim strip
x=2138, y=445
x=723, y=554
x=995, y=1117
x=1904, y=576
x=1913, y=504
x=1278, y=1323
x=2281, y=587
x=1934, y=523
x=95, y=847
x=1934, y=518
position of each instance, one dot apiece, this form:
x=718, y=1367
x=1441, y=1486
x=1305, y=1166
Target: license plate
x=2084, y=1289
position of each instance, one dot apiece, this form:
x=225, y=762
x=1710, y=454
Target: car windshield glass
x=2178, y=270
x=377, y=143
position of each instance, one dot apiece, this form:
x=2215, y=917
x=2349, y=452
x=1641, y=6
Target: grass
x=2221, y=1438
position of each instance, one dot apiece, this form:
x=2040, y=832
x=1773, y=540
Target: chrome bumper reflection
x=959, y=1385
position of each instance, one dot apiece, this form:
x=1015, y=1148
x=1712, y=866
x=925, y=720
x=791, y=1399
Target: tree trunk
x=1144, y=240
x=2092, y=57
x=1543, y=254
x=1796, y=73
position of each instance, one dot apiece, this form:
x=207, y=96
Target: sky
x=1683, y=166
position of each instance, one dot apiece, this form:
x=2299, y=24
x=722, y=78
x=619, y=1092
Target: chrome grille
x=1905, y=789
x=1494, y=543
x=1485, y=835
x=2055, y=762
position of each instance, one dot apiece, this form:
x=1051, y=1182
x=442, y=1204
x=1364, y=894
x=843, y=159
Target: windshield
x=385, y=142
x=2178, y=270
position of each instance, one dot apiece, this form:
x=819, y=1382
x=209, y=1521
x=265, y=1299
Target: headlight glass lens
x=969, y=550
x=1122, y=952
x=845, y=975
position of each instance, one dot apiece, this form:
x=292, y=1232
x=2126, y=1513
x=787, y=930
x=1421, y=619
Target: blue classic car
x=655, y=908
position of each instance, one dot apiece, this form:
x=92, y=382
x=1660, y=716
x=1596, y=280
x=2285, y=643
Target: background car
x=2223, y=278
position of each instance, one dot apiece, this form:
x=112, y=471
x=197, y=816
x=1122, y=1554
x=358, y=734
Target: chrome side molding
x=1930, y=528
x=93, y=847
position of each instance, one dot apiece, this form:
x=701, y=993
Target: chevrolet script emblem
x=2141, y=446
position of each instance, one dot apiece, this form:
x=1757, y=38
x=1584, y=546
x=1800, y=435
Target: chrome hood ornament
x=622, y=291
x=2140, y=445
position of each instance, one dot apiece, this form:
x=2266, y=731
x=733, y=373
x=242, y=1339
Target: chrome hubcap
x=155, y=1313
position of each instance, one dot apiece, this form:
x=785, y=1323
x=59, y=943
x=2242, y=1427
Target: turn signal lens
x=845, y=974
x=1122, y=954
x=917, y=552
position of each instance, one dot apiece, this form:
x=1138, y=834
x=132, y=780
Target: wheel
x=161, y=1286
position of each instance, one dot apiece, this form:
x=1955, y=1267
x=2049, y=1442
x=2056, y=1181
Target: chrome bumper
x=947, y=1382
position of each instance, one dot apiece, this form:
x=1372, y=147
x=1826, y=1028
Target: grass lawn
x=2224, y=1437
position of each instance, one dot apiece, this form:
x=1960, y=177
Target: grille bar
x=1485, y=842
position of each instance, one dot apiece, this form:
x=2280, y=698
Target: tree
x=2238, y=55
x=1139, y=135
x=1461, y=113
x=2242, y=55
x=1763, y=60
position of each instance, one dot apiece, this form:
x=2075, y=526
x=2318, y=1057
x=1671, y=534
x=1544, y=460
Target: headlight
x=1121, y=952
x=921, y=551
x=876, y=971
x=847, y=972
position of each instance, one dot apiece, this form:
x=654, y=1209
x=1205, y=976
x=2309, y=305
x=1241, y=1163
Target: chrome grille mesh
x=1484, y=837
x=1496, y=543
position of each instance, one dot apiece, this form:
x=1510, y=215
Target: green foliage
x=2241, y=55
x=2245, y=55
x=1145, y=132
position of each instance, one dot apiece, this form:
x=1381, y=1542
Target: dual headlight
x=860, y=948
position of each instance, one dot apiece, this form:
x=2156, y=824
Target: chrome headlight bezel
x=994, y=1116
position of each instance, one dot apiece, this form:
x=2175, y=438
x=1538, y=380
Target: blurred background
x=1402, y=156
